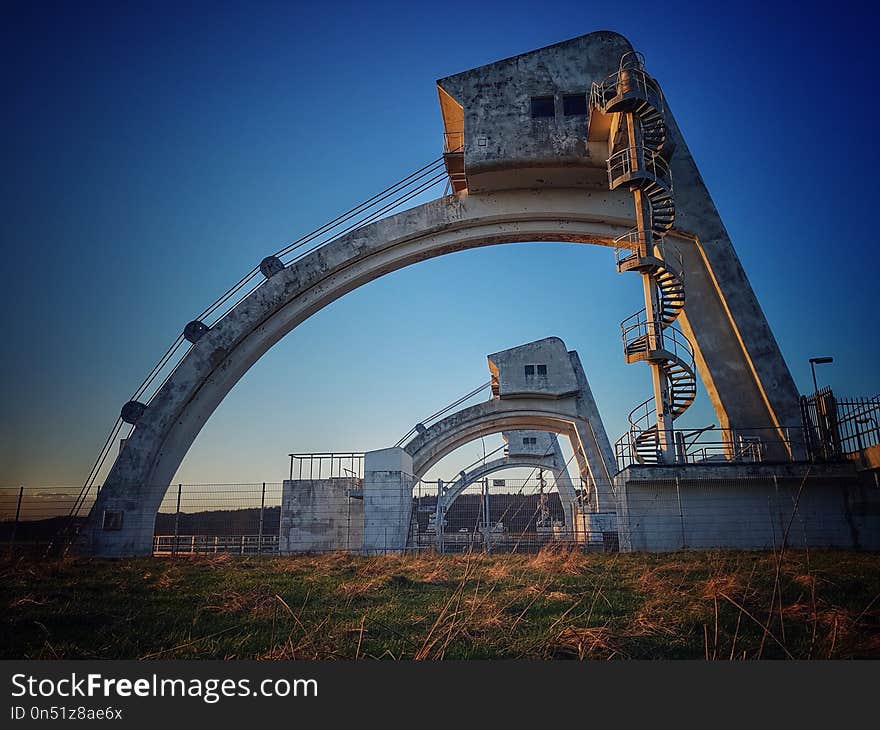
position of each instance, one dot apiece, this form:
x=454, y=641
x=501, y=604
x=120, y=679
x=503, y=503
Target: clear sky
x=153, y=154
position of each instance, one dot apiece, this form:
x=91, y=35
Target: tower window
x=574, y=105
x=530, y=440
x=530, y=371
x=542, y=107
x=542, y=370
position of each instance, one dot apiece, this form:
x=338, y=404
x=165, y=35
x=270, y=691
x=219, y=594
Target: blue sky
x=153, y=154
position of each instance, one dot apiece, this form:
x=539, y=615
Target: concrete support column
x=121, y=523
x=388, y=484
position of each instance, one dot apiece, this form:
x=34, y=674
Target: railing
x=657, y=337
x=372, y=209
x=840, y=427
x=629, y=243
x=640, y=159
x=327, y=465
x=632, y=81
x=423, y=424
x=627, y=246
x=717, y=445
x=453, y=142
x=212, y=544
x=858, y=423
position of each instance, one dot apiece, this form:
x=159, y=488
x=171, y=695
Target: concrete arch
x=551, y=462
x=141, y=473
x=496, y=465
x=498, y=415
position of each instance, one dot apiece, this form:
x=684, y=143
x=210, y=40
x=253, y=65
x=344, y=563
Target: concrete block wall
x=320, y=515
x=742, y=507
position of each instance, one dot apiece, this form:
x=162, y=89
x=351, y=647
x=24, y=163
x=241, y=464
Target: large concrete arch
x=514, y=191
x=140, y=476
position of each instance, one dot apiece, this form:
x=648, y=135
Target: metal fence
x=840, y=427
x=714, y=507
x=714, y=445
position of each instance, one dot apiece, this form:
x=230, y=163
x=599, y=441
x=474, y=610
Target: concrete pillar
x=121, y=523
x=388, y=484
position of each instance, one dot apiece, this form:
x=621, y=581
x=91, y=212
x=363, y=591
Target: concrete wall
x=388, y=487
x=746, y=507
x=509, y=377
x=320, y=514
x=504, y=146
x=545, y=445
x=596, y=528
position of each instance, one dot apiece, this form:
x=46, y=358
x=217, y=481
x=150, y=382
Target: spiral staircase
x=642, y=166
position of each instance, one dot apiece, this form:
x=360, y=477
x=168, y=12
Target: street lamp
x=818, y=361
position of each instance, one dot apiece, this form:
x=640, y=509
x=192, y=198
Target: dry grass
x=555, y=604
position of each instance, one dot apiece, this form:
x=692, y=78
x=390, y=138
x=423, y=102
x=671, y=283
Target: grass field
x=716, y=605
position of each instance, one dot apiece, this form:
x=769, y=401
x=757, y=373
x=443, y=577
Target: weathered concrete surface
x=320, y=515
x=388, y=488
x=504, y=147
x=597, y=528
x=746, y=507
x=737, y=357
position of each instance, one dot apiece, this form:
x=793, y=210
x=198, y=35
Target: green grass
x=817, y=604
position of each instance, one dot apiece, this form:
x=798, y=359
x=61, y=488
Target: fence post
x=17, y=515
x=680, y=512
x=260, y=533
x=177, y=520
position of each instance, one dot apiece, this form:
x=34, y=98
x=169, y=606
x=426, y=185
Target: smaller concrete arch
x=539, y=386
x=526, y=449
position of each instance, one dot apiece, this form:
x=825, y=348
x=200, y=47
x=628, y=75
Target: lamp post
x=818, y=361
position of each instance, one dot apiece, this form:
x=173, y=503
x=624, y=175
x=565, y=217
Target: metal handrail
x=637, y=420
x=633, y=238
x=621, y=163
x=665, y=335
x=723, y=444
x=422, y=425
x=327, y=464
x=625, y=81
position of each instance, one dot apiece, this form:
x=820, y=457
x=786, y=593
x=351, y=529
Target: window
x=542, y=106
x=574, y=105
x=530, y=440
x=531, y=369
